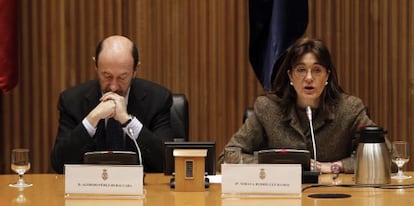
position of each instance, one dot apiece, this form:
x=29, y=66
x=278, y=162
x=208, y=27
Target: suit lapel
x=92, y=97
x=293, y=120
x=136, y=100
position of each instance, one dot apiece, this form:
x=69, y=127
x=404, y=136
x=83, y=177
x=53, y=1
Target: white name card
x=119, y=180
x=261, y=180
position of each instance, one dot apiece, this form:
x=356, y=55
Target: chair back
x=179, y=117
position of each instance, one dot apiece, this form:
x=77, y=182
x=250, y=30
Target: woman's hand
x=326, y=167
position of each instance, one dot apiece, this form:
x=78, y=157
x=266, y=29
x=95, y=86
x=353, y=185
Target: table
x=48, y=189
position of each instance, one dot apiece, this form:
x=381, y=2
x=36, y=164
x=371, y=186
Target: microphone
x=309, y=114
x=131, y=136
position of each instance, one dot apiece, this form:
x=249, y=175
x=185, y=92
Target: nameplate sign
x=119, y=180
x=261, y=180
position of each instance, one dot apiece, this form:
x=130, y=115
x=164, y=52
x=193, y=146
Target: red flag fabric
x=8, y=45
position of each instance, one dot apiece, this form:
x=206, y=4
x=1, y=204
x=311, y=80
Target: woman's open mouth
x=308, y=89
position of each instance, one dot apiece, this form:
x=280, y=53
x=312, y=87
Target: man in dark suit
x=136, y=108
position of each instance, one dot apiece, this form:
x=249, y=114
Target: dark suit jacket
x=149, y=102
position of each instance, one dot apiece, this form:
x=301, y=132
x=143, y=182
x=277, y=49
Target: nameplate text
x=122, y=180
x=261, y=179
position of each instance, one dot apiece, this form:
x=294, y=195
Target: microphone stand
x=131, y=136
x=309, y=114
x=311, y=176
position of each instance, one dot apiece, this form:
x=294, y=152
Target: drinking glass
x=20, y=163
x=232, y=155
x=400, y=156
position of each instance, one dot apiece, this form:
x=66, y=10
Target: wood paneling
x=200, y=48
x=371, y=43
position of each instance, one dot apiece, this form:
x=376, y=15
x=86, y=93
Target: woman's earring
x=326, y=83
x=291, y=83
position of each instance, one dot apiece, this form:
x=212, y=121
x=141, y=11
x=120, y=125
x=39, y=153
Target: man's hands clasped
x=112, y=105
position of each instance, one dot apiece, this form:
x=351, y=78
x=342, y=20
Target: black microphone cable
x=379, y=186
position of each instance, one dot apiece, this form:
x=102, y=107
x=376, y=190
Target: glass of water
x=20, y=163
x=400, y=156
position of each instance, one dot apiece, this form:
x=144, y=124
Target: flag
x=274, y=26
x=8, y=45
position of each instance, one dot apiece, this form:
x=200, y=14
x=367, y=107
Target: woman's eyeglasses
x=302, y=71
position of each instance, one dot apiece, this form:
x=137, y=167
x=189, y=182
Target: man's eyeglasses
x=302, y=71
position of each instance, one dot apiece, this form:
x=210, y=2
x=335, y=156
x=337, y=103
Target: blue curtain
x=274, y=26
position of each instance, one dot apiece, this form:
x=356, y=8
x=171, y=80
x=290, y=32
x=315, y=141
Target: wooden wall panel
x=371, y=43
x=196, y=52
x=200, y=48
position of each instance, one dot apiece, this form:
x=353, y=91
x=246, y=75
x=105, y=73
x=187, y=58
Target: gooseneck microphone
x=131, y=136
x=309, y=114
